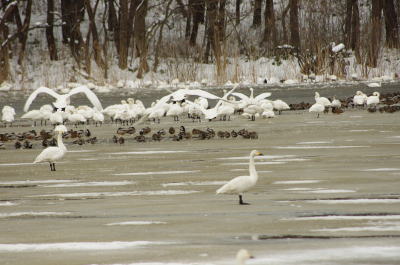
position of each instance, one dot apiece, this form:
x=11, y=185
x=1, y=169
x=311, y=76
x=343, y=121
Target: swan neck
x=60, y=142
x=252, y=168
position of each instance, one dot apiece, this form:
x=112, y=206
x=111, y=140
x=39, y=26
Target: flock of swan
x=175, y=104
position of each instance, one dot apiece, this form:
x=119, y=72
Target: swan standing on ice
x=322, y=100
x=242, y=256
x=318, y=108
x=62, y=101
x=53, y=153
x=8, y=114
x=241, y=184
x=280, y=105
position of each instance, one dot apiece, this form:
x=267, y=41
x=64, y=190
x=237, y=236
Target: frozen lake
x=328, y=193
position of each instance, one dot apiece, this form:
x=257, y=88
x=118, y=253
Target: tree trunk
x=355, y=31
x=375, y=35
x=141, y=37
x=269, y=23
x=294, y=24
x=283, y=20
x=49, y=31
x=4, y=52
x=93, y=28
x=214, y=37
x=391, y=24
x=221, y=19
x=24, y=31
x=123, y=34
x=257, y=13
x=348, y=24
x=198, y=8
x=237, y=12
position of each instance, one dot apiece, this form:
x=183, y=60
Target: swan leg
x=241, y=202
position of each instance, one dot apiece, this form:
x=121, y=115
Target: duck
x=241, y=184
x=53, y=153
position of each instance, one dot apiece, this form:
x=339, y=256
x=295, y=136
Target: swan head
x=243, y=255
x=60, y=129
x=255, y=153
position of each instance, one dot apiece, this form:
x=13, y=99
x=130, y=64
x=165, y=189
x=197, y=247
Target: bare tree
x=391, y=24
x=51, y=43
x=8, y=12
x=257, y=13
x=24, y=31
x=197, y=9
x=375, y=34
x=237, y=12
x=269, y=23
x=294, y=24
x=140, y=37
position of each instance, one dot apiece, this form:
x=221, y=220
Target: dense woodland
x=140, y=35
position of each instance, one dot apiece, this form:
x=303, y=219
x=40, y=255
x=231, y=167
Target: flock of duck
x=145, y=135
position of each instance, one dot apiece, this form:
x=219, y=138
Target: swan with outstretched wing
x=62, y=101
x=181, y=95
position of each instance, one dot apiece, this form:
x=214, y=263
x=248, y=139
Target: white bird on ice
x=318, y=108
x=53, y=153
x=241, y=184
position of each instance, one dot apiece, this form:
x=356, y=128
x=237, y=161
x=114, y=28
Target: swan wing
x=237, y=185
x=241, y=95
x=36, y=92
x=89, y=94
x=262, y=96
x=199, y=93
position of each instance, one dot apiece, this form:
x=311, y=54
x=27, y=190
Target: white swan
x=241, y=184
x=247, y=100
x=8, y=114
x=336, y=103
x=318, y=108
x=242, y=256
x=374, y=99
x=53, y=153
x=360, y=99
x=280, y=105
x=212, y=113
x=62, y=101
x=322, y=100
x=33, y=115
